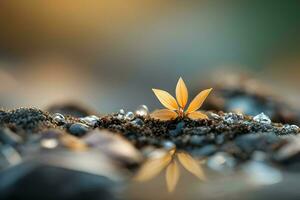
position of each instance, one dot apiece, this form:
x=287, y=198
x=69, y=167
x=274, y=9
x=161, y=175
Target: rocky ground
x=39, y=148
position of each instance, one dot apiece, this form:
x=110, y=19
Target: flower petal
x=181, y=93
x=191, y=165
x=172, y=175
x=152, y=167
x=166, y=99
x=164, y=114
x=197, y=115
x=198, y=101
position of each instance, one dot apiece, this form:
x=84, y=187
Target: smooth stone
x=40, y=181
x=205, y=151
x=259, y=173
x=91, y=120
x=197, y=140
x=59, y=118
x=78, y=129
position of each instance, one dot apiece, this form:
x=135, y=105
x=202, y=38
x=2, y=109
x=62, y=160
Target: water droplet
x=262, y=118
x=142, y=110
x=49, y=143
x=90, y=120
x=121, y=114
x=59, y=118
x=129, y=116
x=122, y=111
x=221, y=162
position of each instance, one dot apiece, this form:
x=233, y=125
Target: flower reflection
x=169, y=160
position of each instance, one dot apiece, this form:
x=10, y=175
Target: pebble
x=129, y=116
x=78, y=129
x=142, y=110
x=205, y=151
x=91, y=120
x=197, y=140
x=259, y=173
x=262, y=118
x=221, y=161
x=59, y=118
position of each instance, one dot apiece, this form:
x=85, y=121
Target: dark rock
x=204, y=151
x=78, y=129
x=40, y=181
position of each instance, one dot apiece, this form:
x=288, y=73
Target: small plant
x=176, y=108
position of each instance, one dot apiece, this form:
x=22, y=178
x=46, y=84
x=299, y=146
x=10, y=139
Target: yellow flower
x=176, y=108
x=153, y=166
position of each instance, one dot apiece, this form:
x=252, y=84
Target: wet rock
x=91, y=120
x=78, y=129
x=59, y=119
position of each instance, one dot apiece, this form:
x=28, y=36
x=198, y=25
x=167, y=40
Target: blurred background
x=109, y=54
